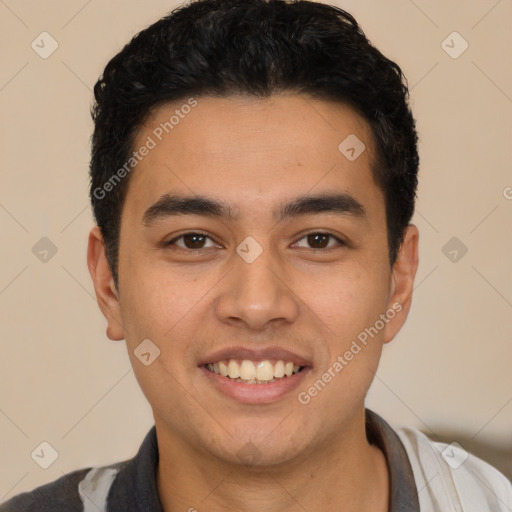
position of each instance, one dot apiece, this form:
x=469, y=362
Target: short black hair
x=259, y=48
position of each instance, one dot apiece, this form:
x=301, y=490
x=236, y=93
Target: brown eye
x=191, y=241
x=320, y=240
x=194, y=241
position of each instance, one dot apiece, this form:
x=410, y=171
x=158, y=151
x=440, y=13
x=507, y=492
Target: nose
x=257, y=293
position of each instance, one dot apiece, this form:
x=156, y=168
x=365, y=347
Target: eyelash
x=340, y=242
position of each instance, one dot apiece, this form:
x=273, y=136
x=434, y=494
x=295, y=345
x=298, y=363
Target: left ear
x=402, y=277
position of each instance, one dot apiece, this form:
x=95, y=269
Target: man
x=253, y=177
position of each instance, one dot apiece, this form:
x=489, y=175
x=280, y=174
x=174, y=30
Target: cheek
x=350, y=301
x=153, y=312
x=162, y=308
x=156, y=302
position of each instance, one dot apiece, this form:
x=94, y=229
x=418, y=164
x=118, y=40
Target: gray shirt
x=131, y=485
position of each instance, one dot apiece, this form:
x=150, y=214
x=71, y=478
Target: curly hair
x=256, y=47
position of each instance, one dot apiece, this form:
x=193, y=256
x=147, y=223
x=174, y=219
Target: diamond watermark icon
x=351, y=147
x=249, y=454
x=249, y=249
x=44, y=455
x=454, y=249
x=454, y=45
x=455, y=455
x=44, y=250
x=44, y=45
x=146, y=352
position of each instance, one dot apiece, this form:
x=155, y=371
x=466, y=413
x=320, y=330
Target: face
x=253, y=244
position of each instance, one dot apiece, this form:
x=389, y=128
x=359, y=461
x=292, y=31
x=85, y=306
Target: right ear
x=104, y=285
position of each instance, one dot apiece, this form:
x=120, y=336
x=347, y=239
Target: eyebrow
x=167, y=206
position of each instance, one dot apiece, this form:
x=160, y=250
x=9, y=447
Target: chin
x=262, y=448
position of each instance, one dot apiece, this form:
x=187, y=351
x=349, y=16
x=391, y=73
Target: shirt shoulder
x=83, y=490
x=449, y=478
x=58, y=496
x=118, y=487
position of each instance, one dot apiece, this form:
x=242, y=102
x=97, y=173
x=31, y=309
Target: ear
x=402, y=282
x=106, y=292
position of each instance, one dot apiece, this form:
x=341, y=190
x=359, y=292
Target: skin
x=255, y=154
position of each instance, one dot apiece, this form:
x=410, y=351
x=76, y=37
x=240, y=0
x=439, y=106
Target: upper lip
x=259, y=354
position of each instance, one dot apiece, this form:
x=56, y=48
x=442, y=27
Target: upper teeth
x=253, y=371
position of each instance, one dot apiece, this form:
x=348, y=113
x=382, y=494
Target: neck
x=346, y=470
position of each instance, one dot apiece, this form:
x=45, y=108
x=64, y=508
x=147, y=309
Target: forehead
x=253, y=152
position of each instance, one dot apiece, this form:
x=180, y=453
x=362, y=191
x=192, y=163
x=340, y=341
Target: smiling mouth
x=254, y=372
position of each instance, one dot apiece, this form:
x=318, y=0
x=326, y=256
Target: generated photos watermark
x=305, y=397
x=151, y=142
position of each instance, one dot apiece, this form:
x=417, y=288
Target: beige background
x=62, y=381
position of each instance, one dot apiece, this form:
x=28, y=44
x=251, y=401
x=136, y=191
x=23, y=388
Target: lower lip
x=255, y=393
